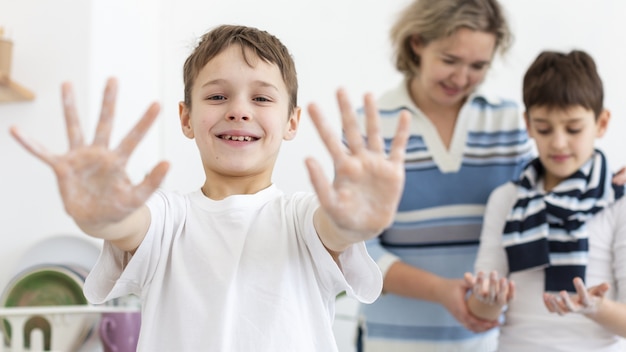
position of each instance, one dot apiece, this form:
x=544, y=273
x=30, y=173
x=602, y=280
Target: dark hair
x=559, y=80
x=261, y=43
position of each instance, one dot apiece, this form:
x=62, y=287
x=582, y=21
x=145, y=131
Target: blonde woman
x=463, y=144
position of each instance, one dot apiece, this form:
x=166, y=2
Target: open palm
x=367, y=187
x=93, y=183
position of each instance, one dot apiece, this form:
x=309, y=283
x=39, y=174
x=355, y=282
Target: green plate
x=54, y=285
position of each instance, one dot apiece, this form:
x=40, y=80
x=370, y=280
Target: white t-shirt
x=247, y=273
x=529, y=326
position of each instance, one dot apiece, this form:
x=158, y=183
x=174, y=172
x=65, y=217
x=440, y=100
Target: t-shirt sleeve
x=357, y=274
x=118, y=273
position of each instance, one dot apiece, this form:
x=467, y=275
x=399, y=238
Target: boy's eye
x=261, y=99
x=216, y=97
x=448, y=61
x=574, y=130
x=543, y=131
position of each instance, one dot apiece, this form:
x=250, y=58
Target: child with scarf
x=552, y=253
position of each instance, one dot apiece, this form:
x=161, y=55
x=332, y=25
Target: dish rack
x=63, y=321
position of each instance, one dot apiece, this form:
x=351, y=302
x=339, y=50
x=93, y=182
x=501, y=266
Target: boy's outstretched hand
x=585, y=301
x=363, y=198
x=93, y=183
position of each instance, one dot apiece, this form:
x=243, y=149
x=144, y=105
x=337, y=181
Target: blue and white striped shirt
x=439, y=219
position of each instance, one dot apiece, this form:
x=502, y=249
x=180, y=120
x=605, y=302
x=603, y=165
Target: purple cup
x=119, y=331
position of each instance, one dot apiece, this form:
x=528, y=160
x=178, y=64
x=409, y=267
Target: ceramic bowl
x=49, y=285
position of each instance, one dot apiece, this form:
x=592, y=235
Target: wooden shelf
x=11, y=91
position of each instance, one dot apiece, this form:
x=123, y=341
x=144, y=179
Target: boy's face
x=565, y=138
x=239, y=115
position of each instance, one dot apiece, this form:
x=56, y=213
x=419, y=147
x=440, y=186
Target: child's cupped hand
x=92, y=179
x=364, y=195
x=491, y=290
x=585, y=301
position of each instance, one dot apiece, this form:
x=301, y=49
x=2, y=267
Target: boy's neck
x=218, y=190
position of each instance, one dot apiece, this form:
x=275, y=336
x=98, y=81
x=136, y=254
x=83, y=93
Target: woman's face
x=451, y=67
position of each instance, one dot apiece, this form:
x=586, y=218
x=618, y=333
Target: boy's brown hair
x=559, y=80
x=264, y=45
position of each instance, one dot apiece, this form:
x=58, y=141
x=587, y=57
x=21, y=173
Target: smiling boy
x=236, y=265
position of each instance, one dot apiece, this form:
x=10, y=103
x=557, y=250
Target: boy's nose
x=238, y=117
x=559, y=140
x=238, y=109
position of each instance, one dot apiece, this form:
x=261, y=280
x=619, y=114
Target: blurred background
x=145, y=42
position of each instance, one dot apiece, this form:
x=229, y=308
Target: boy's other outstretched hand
x=92, y=180
x=363, y=198
x=585, y=301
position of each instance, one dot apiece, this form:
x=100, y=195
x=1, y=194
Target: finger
x=620, y=177
x=511, y=291
x=493, y=286
x=151, y=182
x=479, y=288
x=400, y=140
x=477, y=325
x=503, y=295
x=557, y=303
x=33, y=147
x=320, y=183
x=582, y=292
x=602, y=289
x=136, y=134
x=105, y=123
x=469, y=279
x=348, y=122
x=548, y=302
x=72, y=124
x=374, y=140
x=328, y=137
x=567, y=304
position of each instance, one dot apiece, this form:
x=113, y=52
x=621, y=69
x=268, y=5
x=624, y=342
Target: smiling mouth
x=238, y=138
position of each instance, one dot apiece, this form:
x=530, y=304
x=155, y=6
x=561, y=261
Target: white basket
x=62, y=319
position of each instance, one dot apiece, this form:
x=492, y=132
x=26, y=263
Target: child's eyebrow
x=213, y=82
x=265, y=84
x=260, y=83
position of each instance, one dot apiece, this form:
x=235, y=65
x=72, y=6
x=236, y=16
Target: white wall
x=83, y=42
x=144, y=43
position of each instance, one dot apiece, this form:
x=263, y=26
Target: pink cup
x=119, y=331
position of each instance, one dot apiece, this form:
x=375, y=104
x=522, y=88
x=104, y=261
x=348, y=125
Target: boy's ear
x=292, y=124
x=602, y=123
x=185, y=121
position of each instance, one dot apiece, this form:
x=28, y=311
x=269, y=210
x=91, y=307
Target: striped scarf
x=547, y=230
